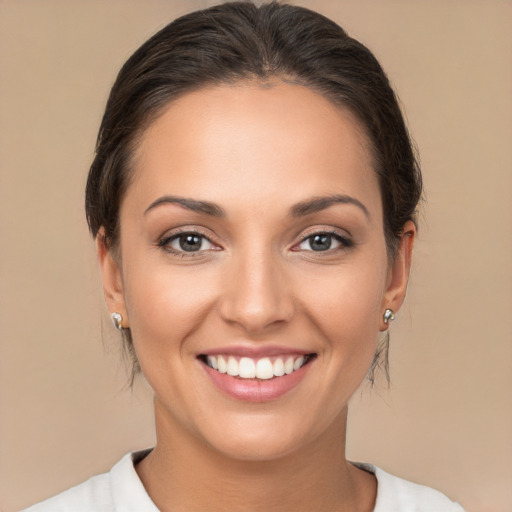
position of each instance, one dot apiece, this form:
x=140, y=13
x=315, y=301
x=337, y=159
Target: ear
x=111, y=278
x=398, y=273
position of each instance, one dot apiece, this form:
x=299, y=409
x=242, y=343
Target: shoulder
x=92, y=495
x=120, y=489
x=395, y=494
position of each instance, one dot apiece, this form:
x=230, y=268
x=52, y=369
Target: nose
x=256, y=294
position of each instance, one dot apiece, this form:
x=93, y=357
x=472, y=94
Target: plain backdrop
x=65, y=411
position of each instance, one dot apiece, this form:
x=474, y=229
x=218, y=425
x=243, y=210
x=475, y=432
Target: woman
x=252, y=201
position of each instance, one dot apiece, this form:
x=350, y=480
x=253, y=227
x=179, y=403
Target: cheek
x=346, y=308
x=163, y=305
x=348, y=299
x=165, y=310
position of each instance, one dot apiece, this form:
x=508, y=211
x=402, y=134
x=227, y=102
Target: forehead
x=274, y=142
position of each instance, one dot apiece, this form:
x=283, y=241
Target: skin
x=256, y=152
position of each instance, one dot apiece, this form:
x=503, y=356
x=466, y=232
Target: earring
x=117, y=320
x=388, y=316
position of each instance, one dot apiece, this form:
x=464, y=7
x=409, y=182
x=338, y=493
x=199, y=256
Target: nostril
x=256, y=315
x=255, y=295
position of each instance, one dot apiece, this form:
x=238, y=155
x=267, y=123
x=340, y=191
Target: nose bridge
x=255, y=295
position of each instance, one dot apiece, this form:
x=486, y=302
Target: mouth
x=259, y=369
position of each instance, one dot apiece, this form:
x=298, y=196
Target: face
x=253, y=270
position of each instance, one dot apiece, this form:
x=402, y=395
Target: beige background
x=447, y=420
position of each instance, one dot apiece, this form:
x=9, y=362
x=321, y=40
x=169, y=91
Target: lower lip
x=256, y=390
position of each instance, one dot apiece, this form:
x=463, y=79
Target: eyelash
x=345, y=242
x=164, y=243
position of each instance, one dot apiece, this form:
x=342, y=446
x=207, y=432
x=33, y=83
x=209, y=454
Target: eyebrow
x=317, y=204
x=313, y=205
x=191, y=204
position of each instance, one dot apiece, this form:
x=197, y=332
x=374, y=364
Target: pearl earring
x=388, y=316
x=117, y=320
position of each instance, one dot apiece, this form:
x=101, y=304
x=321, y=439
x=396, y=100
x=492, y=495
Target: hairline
x=149, y=118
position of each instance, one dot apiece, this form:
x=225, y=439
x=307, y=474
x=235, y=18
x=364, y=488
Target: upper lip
x=255, y=352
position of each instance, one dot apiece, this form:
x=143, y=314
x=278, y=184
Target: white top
x=121, y=490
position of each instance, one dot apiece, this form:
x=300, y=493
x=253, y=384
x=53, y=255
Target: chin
x=262, y=438
x=259, y=448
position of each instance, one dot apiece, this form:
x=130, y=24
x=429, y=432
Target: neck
x=184, y=474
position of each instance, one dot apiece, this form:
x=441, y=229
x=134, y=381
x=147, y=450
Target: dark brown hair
x=237, y=42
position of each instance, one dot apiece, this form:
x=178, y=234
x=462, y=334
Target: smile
x=264, y=368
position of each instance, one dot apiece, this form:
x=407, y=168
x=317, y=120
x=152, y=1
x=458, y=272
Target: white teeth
x=221, y=362
x=232, y=367
x=264, y=369
x=248, y=368
x=278, y=367
x=212, y=361
x=288, y=366
x=298, y=363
